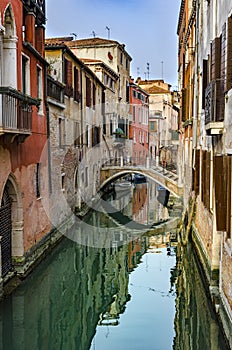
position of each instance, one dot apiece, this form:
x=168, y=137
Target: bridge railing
x=125, y=161
x=139, y=162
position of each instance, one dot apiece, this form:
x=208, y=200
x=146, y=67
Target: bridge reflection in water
x=115, y=297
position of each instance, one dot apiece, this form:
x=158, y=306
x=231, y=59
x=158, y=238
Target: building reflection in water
x=81, y=286
x=196, y=324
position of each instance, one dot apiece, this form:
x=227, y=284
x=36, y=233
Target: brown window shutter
x=228, y=206
x=94, y=95
x=220, y=192
x=184, y=109
x=76, y=85
x=88, y=92
x=68, y=77
x=196, y=172
x=131, y=131
x=204, y=81
x=216, y=59
x=229, y=55
x=207, y=181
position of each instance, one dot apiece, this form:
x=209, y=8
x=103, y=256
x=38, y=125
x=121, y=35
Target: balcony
x=15, y=114
x=214, y=107
x=55, y=91
x=38, y=8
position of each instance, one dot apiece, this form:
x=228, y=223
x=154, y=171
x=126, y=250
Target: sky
x=146, y=27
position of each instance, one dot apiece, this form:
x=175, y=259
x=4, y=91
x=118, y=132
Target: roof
x=94, y=62
x=54, y=45
x=154, y=89
x=88, y=42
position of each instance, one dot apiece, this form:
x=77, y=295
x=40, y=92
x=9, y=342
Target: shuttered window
x=228, y=204
x=221, y=196
x=88, y=92
x=68, y=78
x=216, y=58
x=205, y=193
x=184, y=107
x=96, y=135
x=196, y=172
x=76, y=85
x=229, y=55
x=94, y=95
x=205, y=81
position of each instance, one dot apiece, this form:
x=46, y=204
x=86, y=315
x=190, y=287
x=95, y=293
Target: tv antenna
x=108, y=29
x=162, y=64
x=74, y=34
x=93, y=34
x=148, y=70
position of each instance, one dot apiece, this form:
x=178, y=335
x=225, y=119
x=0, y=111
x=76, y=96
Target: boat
x=139, y=178
x=163, y=195
x=122, y=186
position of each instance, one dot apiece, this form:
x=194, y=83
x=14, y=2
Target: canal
x=118, y=280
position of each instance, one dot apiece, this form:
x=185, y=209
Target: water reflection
x=120, y=295
x=195, y=321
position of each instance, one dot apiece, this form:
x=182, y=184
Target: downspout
x=196, y=85
x=48, y=133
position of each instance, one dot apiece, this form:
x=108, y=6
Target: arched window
x=9, y=49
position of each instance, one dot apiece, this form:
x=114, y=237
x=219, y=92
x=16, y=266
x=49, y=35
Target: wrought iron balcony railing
x=55, y=90
x=213, y=102
x=15, y=111
x=38, y=8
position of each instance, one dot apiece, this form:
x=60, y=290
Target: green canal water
x=136, y=289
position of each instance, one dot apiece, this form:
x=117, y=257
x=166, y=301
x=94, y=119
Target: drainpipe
x=196, y=104
x=48, y=132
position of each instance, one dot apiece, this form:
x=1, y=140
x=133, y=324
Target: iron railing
x=55, y=90
x=214, y=102
x=16, y=111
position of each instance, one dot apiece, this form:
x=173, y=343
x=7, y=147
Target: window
x=96, y=135
x=68, y=78
x=87, y=136
x=61, y=132
x=62, y=181
x=88, y=92
x=121, y=58
x=76, y=134
x=25, y=75
x=76, y=85
x=94, y=96
x=134, y=93
x=86, y=177
x=134, y=113
x=40, y=88
x=37, y=180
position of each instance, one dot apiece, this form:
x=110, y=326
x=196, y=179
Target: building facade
x=204, y=31
x=23, y=134
x=163, y=122
x=139, y=133
x=113, y=55
x=76, y=129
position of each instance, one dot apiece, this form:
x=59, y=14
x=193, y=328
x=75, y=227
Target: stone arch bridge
x=165, y=178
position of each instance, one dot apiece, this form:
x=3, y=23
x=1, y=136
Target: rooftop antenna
x=138, y=72
x=107, y=28
x=93, y=34
x=145, y=73
x=74, y=34
x=162, y=63
x=148, y=70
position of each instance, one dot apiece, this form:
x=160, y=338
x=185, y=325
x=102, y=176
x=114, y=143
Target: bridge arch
x=161, y=176
x=120, y=173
